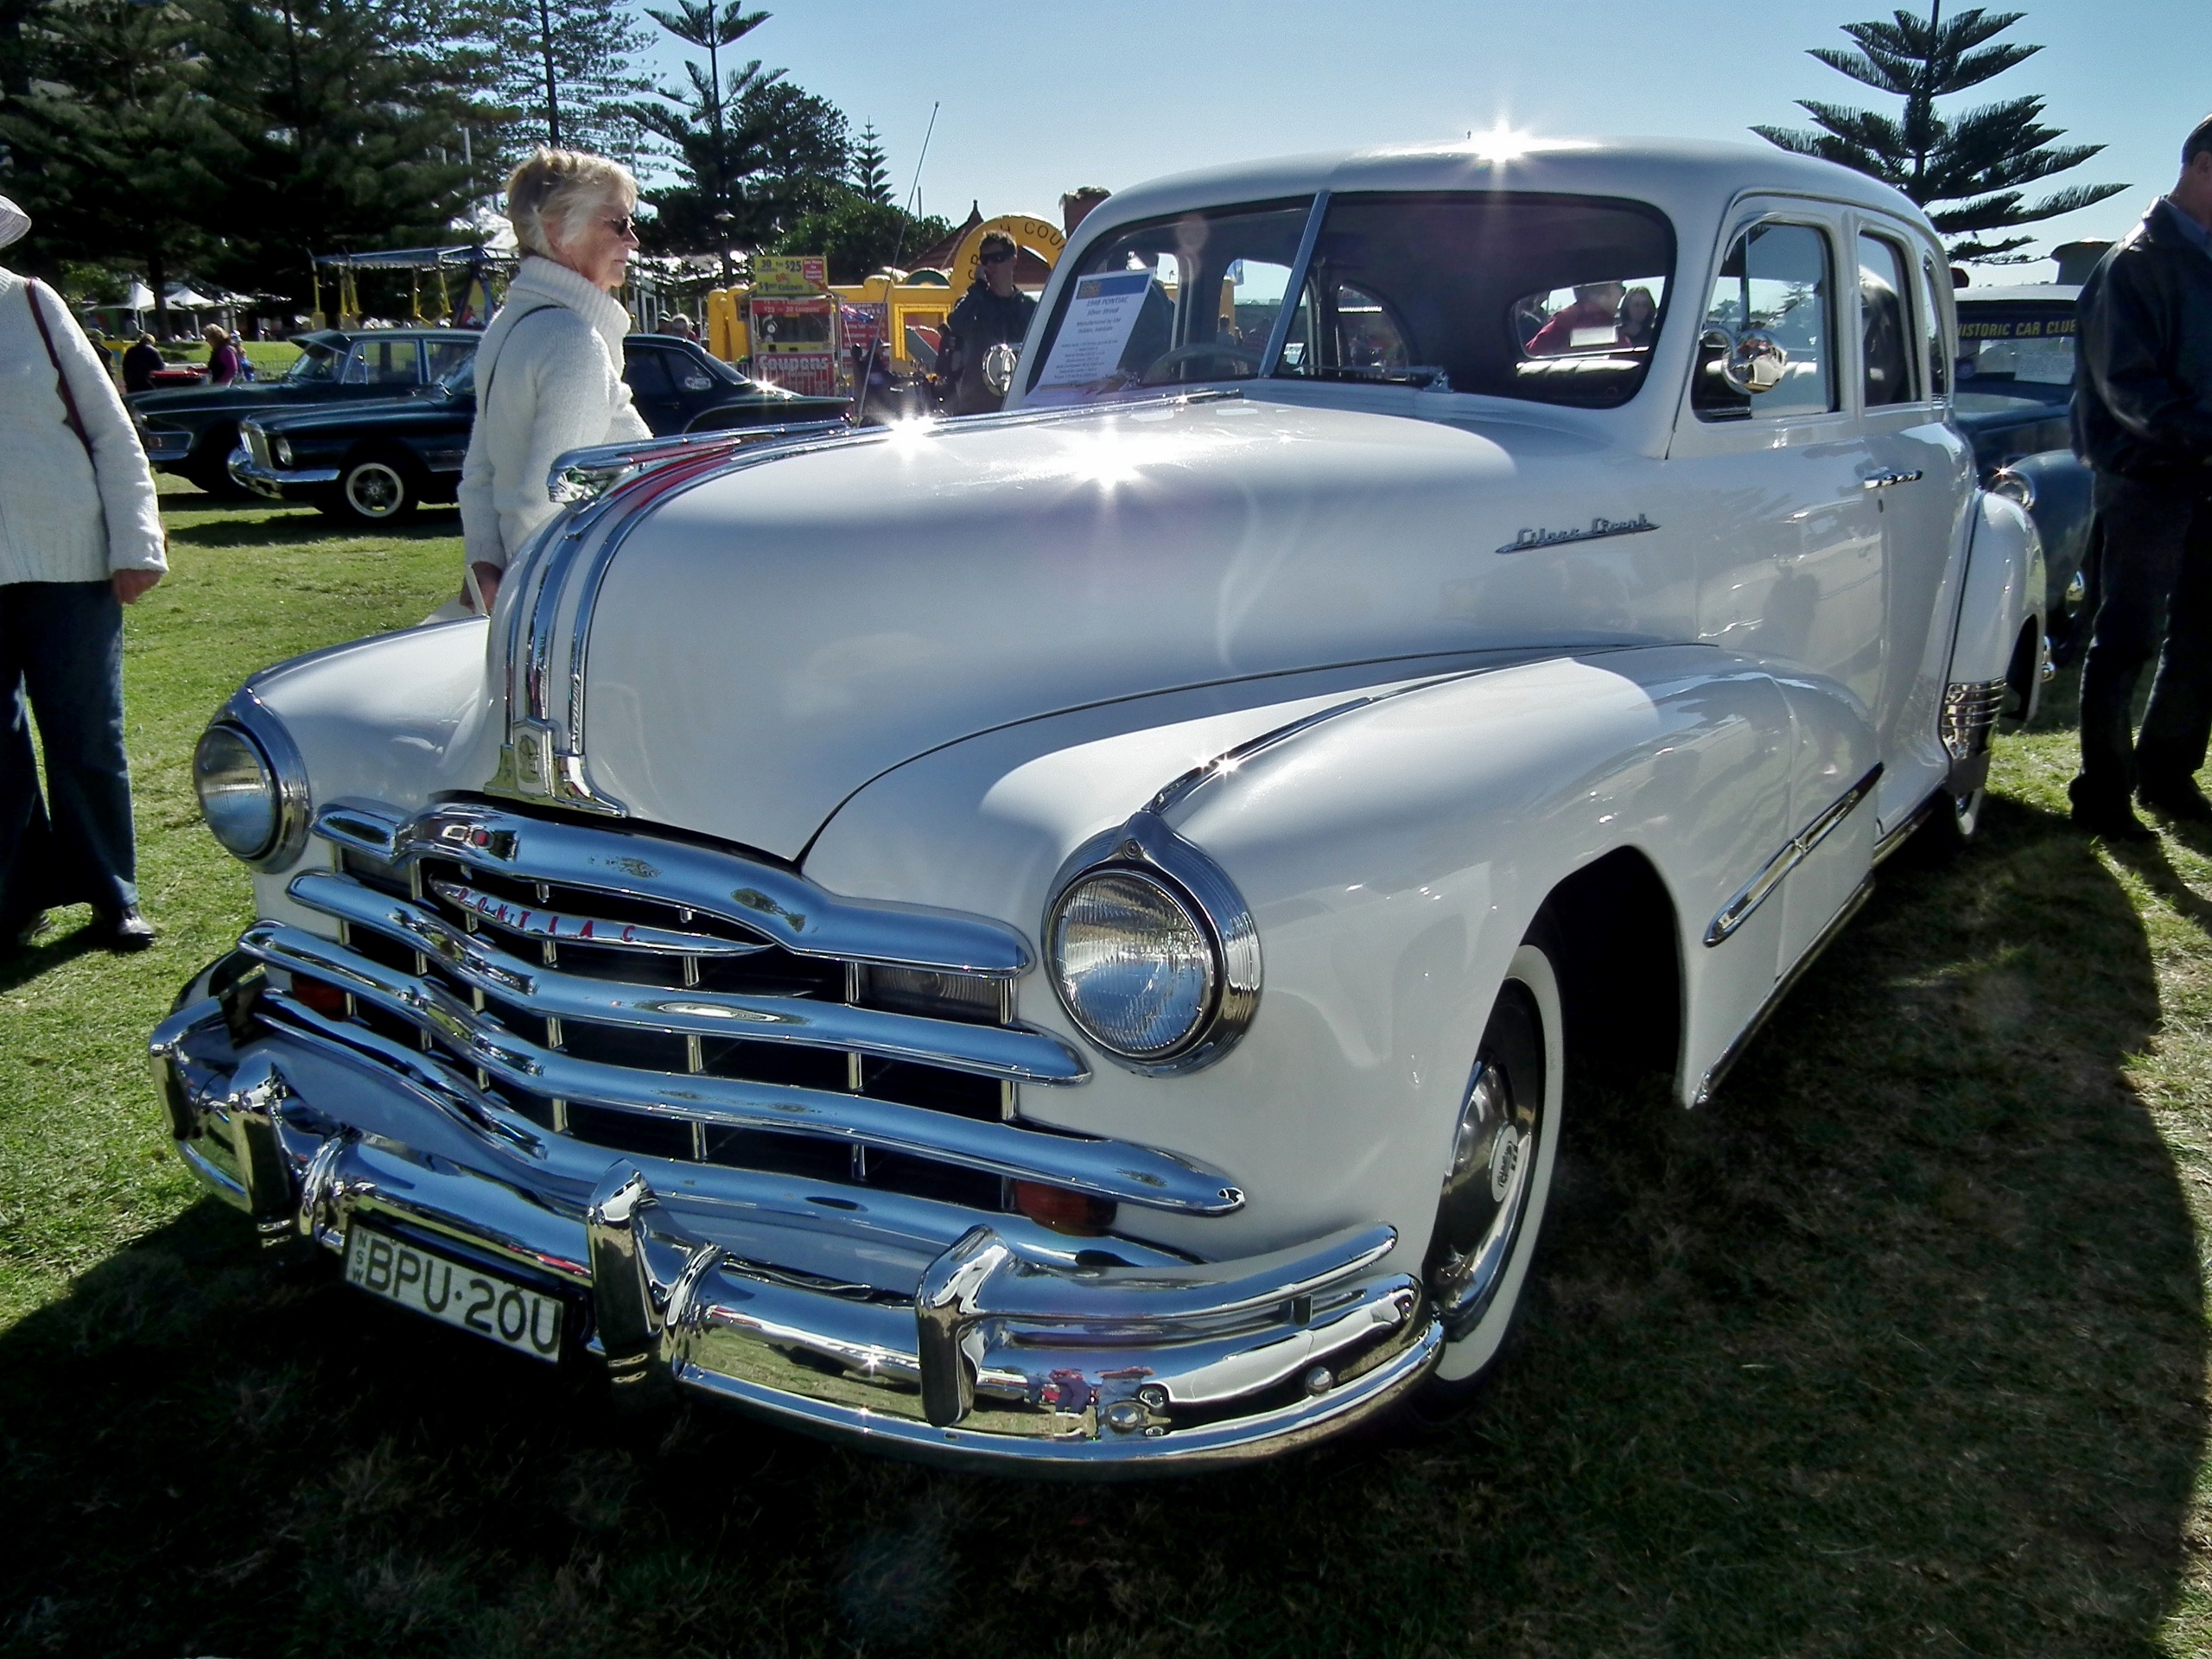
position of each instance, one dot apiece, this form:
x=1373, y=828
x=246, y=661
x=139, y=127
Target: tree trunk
x=157, y=278
x=552, y=92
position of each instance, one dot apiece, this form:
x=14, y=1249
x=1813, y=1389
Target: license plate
x=512, y=1315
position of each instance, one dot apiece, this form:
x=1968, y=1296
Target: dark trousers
x=2156, y=600
x=61, y=658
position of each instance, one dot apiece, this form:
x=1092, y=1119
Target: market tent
x=140, y=298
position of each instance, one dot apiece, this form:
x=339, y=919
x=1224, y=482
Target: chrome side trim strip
x=1711, y=1080
x=1013, y=1052
x=586, y=473
x=1107, y=1169
x=779, y=905
x=1761, y=887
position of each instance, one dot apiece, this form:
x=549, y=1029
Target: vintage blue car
x=2015, y=383
x=375, y=463
x=191, y=430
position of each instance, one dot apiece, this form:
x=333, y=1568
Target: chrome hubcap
x=374, y=490
x=1485, y=1194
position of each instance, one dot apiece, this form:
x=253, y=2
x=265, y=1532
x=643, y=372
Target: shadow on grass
x=221, y=524
x=57, y=943
x=1898, y=1348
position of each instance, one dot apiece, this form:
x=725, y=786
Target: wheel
x=379, y=488
x=1497, y=1181
x=209, y=466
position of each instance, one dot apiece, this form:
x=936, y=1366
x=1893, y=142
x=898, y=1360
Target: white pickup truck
x=1062, y=940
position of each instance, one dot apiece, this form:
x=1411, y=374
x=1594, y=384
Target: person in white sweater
x=80, y=538
x=548, y=372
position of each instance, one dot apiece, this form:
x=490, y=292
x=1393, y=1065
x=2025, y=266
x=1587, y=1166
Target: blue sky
x=1038, y=96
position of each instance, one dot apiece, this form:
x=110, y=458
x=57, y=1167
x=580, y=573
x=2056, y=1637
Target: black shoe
x=127, y=930
x=2113, y=820
x=16, y=935
x=2181, y=801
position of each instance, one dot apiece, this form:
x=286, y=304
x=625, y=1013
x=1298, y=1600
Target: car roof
x=2047, y=293
x=1693, y=180
x=338, y=339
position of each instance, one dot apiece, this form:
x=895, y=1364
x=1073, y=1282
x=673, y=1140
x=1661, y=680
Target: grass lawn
x=1899, y=1348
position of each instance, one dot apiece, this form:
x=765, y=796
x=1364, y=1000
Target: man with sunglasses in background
x=992, y=312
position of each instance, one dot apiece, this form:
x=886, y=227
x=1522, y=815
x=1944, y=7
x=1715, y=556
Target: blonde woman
x=548, y=372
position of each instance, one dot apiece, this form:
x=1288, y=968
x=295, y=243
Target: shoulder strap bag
x=32, y=289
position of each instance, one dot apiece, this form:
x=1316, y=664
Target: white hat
x=13, y=221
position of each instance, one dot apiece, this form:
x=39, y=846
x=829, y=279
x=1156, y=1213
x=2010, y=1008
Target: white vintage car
x=1061, y=941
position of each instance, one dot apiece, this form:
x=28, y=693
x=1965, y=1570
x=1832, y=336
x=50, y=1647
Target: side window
x=643, y=368
x=1886, y=339
x=1765, y=349
x=1933, y=282
x=383, y=363
x=447, y=355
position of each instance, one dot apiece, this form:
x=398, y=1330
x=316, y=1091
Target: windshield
x=2015, y=354
x=314, y=363
x=1552, y=299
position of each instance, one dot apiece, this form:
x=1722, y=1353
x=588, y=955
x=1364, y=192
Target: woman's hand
x=487, y=584
x=130, y=586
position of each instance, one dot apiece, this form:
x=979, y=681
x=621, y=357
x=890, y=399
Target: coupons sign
x=1100, y=314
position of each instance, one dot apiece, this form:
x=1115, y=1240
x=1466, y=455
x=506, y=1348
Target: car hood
x=348, y=416
x=766, y=641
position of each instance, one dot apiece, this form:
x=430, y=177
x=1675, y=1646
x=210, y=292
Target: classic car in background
x=1061, y=940
x=375, y=463
x=2015, y=388
x=191, y=430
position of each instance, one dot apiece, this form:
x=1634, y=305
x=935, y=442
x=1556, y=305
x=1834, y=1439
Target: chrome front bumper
x=914, y=1326
x=249, y=474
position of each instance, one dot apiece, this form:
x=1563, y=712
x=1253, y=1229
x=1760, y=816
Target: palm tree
x=1978, y=159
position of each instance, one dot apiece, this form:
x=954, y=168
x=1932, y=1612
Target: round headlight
x=238, y=793
x=2015, y=487
x=281, y=447
x=1135, y=966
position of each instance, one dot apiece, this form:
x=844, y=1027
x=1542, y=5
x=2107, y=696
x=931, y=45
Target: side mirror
x=1751, y=362
x=998, y=368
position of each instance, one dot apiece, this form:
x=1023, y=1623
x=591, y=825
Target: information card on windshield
x=1093, y=335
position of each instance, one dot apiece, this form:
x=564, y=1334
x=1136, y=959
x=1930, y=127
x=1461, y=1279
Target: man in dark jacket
x=139, y=364
x=992, y=312
x=2143, y=419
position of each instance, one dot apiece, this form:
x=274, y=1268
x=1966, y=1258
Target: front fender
x=1394, y=855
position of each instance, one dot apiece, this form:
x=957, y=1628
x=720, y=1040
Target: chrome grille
x=256, y=444
x=679, y=1000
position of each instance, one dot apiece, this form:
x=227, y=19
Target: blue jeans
x=61, y=658
x=2157, y=605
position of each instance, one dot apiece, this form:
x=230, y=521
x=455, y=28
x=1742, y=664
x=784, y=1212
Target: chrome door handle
x=1882, y=481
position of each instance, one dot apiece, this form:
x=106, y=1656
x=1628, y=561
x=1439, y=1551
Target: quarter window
x=1769, y=308
x=1886, y=340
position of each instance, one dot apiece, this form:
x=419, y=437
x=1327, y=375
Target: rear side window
x=1887, y=343
x=383, y=363
x=643, y=368
x=1769, y=316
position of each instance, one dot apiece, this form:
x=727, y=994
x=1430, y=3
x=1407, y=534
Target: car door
x=1789, y=550
x=1920, y=476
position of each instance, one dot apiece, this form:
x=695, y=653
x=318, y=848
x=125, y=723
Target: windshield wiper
x=1425, y=375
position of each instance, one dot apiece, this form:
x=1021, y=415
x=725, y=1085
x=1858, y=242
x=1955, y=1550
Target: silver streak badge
x=1597, y=529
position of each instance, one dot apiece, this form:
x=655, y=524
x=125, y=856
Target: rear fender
x=2002, y=602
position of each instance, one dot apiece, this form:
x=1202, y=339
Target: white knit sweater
x=62, y=518
x=553, y=379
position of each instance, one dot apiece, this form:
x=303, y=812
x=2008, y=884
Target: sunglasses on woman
x=625, y=225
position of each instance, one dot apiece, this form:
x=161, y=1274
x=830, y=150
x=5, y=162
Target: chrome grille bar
x=1016, y=1052
x=1107, y=1169
x=775, y=904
